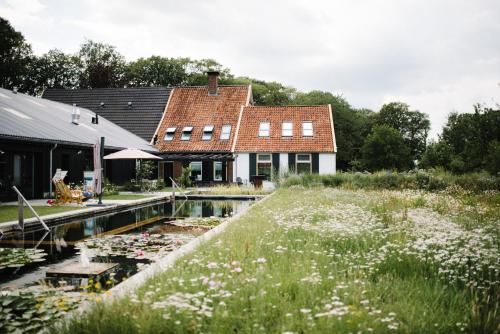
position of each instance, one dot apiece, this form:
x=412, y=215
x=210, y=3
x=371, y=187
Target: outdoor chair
x=66, y=195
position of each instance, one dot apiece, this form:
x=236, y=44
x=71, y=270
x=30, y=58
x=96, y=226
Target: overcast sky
x=439, y=56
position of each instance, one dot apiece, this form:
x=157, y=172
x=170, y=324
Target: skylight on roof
x=264, y=129
x=17, y=113
x=307, y=129
x=186, y=133
x=226, y=132
x=169, y=134
x=207, y=132
x=287, y=129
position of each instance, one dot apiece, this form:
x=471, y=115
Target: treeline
x=395, y=137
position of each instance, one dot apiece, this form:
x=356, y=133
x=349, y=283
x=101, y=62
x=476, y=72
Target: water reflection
x=59, y=243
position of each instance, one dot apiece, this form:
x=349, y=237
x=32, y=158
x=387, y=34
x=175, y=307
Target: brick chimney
x=212, y=82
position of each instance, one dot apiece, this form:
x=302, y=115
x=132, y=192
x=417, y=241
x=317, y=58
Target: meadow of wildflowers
x=322, y=260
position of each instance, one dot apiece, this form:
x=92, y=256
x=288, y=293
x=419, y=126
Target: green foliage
x=54, y=69
x=413, y=125
x=157, y=71
x=102, y=66
x=185, y=178
x=432, y=180
x=15, y=56
x=492, y=160
x=385, y=148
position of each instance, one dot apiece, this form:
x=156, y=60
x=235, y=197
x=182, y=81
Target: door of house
x=168, y=172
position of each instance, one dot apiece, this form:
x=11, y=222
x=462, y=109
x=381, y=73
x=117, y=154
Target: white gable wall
x=327, y=163
x=241, y=167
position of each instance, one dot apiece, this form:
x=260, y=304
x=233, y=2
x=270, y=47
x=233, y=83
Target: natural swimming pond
x=121, y=243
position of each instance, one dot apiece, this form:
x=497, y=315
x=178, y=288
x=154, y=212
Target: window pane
x=226, y=132
x=264, y=129
x=206, y=136
x=287, y=130
x=186, y=135
x=218, y=171
x=307, y=129
x=304, y=157
x=196, y=170
x=303, y=167
x=169, y=136
x=263, y=157
x=264, y=168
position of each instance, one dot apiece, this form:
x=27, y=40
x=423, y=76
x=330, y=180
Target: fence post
x=20, y=212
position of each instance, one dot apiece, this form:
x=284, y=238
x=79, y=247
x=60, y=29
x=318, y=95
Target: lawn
x=9, y=212
x=323, y=260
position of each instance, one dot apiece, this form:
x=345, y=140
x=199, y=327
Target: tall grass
x=305, y=261
x=422, y=180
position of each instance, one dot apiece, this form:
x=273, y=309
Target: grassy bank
x=422, y=180
x=328, y=261
x=9, y=212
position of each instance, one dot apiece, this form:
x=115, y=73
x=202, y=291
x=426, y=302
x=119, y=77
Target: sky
x=438, y=56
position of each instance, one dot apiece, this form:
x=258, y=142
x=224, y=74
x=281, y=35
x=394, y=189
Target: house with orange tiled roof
x=299, y=139
x=218, y=132
x=198, y=129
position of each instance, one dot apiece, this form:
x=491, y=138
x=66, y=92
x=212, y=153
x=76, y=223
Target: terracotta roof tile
x=322, y=140
x=192, y=106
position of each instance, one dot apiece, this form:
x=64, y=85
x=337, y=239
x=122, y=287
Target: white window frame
x=169, y=134
x=263, y=132
x=225, y=133
x=187, y=131
x=287, y=129
x=309, y=161
x=207, y=132
x=199, y=177
x=257, y=161
x=221, y=169
x=305, y=131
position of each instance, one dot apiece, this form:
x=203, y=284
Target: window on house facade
x=264, y=164
x=264, y=129
x=169, y=134
x=196, y=170
x=303, y=163
x=217, y=170
x=307, y=129
x=287, y=129
x=225, y=132
x=186, y=133
x=207, y=132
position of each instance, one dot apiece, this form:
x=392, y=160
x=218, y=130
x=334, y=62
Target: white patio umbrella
x=131, y=153
x=97, y=184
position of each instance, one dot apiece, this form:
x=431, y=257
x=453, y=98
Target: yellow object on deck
x=65, y=195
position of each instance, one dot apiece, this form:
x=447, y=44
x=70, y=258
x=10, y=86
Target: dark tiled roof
x=142, y=118
x=193, y=107
x=29, y=118
x=323, y=139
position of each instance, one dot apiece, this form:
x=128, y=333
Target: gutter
x=50, y=169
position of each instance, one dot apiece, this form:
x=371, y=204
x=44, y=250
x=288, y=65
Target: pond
x=124, y=242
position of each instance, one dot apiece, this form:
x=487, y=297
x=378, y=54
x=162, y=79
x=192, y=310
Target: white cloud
x=438, y=56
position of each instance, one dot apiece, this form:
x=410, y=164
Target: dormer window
x=225, y=132
x=307, y=129
x=169, y=134
x=264, y=129
x=186, y=133
x=207, y=132
x=287, y=129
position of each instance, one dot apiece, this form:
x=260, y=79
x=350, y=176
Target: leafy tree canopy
x=385, y=148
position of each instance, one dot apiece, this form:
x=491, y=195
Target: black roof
x=141, y=117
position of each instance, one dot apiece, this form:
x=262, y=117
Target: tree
x=492, y=160
x=15, y=55
x=385, y=148
x=351, y=125
x=437, y=154
x=197, y=69
x=54, y=69
x=157, y=71
x=412, y=124
x=102, y=66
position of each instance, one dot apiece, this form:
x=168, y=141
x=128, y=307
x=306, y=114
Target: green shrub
x=185, y=178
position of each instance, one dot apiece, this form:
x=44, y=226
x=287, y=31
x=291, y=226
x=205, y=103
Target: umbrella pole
x=102, y=170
